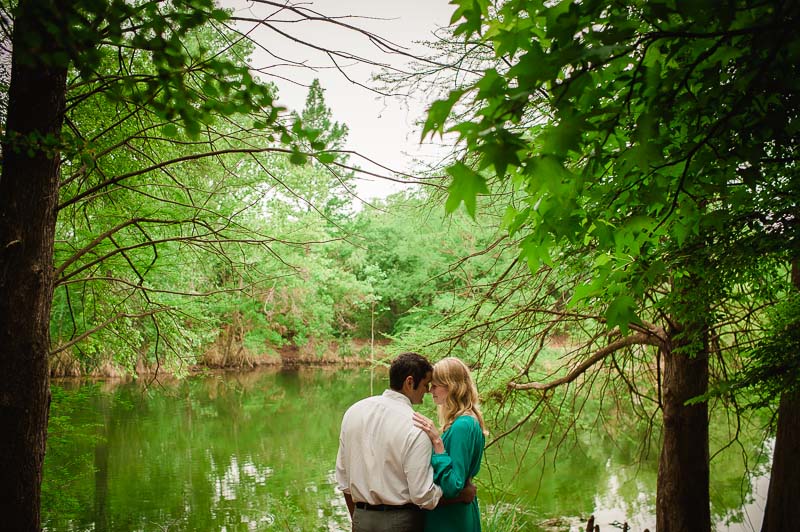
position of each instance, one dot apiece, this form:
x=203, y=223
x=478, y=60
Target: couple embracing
x=396, y=471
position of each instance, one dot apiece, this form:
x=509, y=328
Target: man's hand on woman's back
x=469, y=492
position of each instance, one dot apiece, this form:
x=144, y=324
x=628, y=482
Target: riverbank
x=351, y=353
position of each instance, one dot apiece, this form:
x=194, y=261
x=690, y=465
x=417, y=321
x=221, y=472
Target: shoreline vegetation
x=354, y=352
x=222, y=355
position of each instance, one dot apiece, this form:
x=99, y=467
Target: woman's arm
x=450, y=468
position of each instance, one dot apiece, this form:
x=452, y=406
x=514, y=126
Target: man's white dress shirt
x=383, y=458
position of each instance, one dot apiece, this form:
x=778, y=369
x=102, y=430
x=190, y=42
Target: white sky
x=381, y=128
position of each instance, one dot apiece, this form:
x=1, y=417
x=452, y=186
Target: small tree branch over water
x=611, y=348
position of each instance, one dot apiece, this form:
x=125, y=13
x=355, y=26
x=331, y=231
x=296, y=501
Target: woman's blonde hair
x=462, y=394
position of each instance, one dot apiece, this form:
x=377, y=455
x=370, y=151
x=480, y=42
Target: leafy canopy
x=659, y=137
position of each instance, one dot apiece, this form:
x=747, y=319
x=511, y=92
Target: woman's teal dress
x=463, y=445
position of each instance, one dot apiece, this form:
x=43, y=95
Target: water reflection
x=256, y=450
x=224, y=452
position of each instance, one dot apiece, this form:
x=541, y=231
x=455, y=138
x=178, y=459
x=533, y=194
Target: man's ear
x=409, y=383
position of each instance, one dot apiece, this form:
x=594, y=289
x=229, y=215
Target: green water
x=256, y=451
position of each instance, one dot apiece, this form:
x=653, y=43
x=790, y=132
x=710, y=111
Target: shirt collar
x=397, y=396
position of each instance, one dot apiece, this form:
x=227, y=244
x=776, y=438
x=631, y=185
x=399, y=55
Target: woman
x=458, y=452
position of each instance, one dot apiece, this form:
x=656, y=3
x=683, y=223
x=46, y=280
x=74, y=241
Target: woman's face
x=439, y=392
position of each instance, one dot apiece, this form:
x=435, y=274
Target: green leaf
x=220, y=15
x=471, y=11
x=466, y=185
x=621, y=312
x=508, y=217
x=548, y=173
x=170, y=130
x=536, y=252
x=581, y=293
x=563, y=137
x=501, y=151
x=490, y=85
x=298, y=158
x=533, y=68
x=438, y=113
x=192, y=127
x=326, y=157
x=520, y=218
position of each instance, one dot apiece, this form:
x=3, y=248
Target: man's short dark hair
x=407, y=364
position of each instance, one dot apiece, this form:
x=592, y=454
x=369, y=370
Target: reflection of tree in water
x=740, y=472
x=73, y=431
x=101, y=452
x=207, y=453
x=606, y=466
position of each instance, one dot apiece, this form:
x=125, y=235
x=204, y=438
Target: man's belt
x=385, y=507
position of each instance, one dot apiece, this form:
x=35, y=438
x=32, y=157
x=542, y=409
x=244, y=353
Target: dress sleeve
x=451, y=469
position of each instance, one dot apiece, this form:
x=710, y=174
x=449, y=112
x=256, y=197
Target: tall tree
x=136, y=54
x=653, y=144
x=774, y=375
x=28, y=184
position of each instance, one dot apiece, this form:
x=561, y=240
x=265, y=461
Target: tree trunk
x=783, y=497
x=682, y=496
x=28, y=203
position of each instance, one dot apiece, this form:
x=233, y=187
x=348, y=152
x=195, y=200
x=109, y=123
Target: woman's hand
x=429, y=428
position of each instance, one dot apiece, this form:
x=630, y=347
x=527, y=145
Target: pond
x=256, y=451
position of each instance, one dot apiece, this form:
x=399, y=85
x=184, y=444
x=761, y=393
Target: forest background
x=628, y=177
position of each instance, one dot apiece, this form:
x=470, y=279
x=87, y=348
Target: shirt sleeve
x=342, y=477
x=421, y=488
x=451, y=469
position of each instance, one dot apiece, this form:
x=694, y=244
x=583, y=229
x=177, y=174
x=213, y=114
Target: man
x=383, y=466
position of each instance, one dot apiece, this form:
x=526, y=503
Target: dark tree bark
x=682, y=497
x=28, y=200
x=783, y=497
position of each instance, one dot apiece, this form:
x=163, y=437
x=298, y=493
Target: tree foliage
x=647, y=152
x=664, y=130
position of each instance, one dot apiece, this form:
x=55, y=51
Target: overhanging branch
x=641, y=338
x=105, y=324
